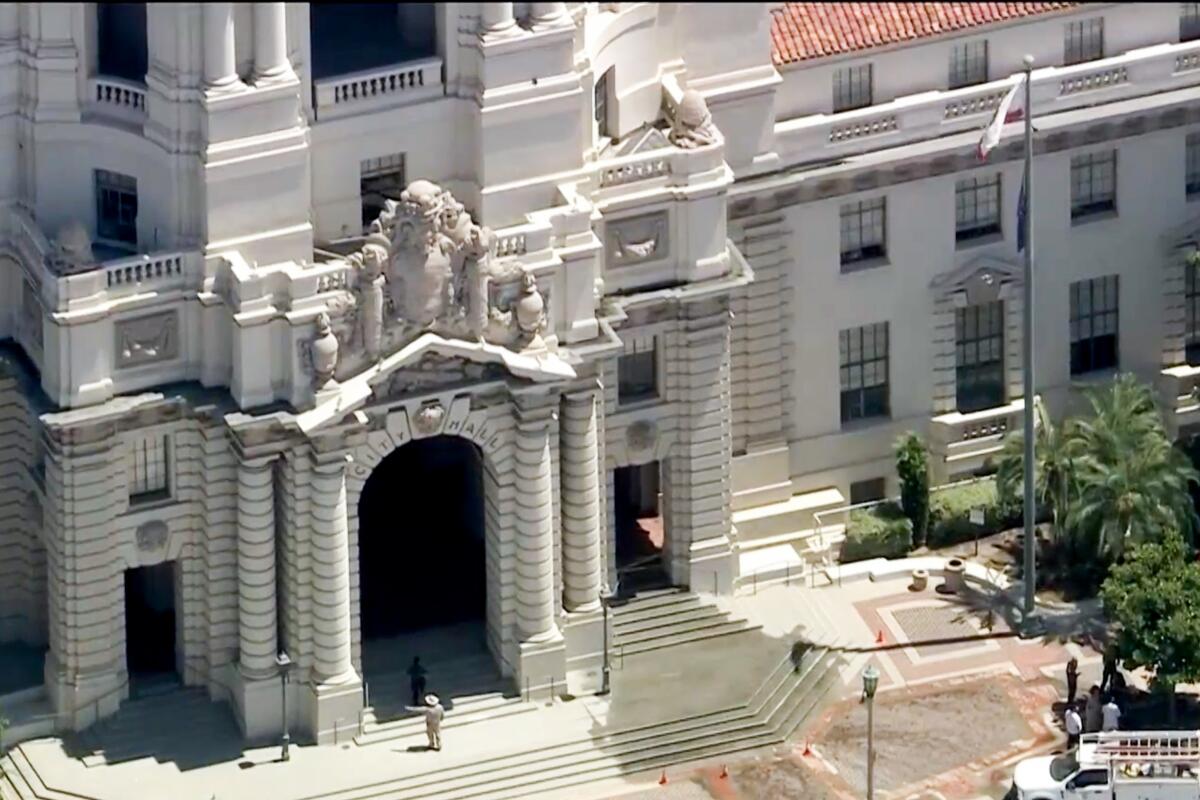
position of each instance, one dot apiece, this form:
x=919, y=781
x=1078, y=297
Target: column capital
x=331, y=463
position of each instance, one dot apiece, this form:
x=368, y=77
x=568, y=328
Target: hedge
x=879, y=532
x=950, y=513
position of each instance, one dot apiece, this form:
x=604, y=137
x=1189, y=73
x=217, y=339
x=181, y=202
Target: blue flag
x=1022, y=219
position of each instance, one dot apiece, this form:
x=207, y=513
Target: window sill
x=150, y=502
x=979, y=241
x=864, y=265
x=1098, y=216
x=866, y=423
x=1096, y=376
x=639, y=403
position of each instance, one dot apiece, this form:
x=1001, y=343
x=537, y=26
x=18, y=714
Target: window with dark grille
x=116, y=207
x=1093, y=184
x=121, y=50
x=863, y=355
x=868, y=491
x=1192, y=172
x=863, y=231
x=968, y=64
x=979, y=356
x=637, y=374
x=1094, y=325
x=600, y=98
x=379, y=179
x=148, y=475
x=976, y=208
x=1191, y=300
x=1084, y=41
x=1189, y=21
x=852, y=88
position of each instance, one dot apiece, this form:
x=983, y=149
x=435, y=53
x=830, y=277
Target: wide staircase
x=655, y=619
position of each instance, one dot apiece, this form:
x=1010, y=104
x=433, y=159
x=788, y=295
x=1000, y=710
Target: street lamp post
x=870, y=682
x=606, y=599
x=285, y=666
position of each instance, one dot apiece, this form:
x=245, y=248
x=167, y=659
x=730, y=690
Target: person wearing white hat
x=433, y=713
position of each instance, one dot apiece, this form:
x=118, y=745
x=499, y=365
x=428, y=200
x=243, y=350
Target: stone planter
x=920, y=579
x=954, y=575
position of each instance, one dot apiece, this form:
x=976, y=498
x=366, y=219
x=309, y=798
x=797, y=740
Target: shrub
x=912, y=466
x=883, y=531
x=950, y=513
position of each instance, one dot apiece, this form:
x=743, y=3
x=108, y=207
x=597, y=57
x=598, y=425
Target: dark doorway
x=421, y=539
x=351, y=37
x=640, y=529
x=121, y=41
x=150, y=621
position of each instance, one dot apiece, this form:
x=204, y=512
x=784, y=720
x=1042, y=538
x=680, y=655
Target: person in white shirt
x=1111, y=714
x=1074, y=726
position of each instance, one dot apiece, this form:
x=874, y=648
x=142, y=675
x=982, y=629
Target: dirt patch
x=919, y=736
x=780, y=780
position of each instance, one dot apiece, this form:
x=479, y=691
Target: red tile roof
x=801, y=31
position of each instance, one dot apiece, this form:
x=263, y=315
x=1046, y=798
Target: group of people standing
x=1100, y=709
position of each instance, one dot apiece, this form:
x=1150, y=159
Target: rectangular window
x=1191, y=299
x=637, y=373
x=979, y=356
x=1093, y=184
x=1189, y=21
x=851, y=88
x=379, y=179
x=1084, y=41
x=863, y=356
x=1192, y=171
x=976, y=208
x=1094, y=325
x=116, y=207
x=864, y=233
x=867, y=491
x=968, y=64
x=148, y=473
x=600, y=100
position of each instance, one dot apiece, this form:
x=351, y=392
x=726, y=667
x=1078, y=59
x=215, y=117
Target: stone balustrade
x=962, y=442
x=670, y=165
x=1150, y=70
x=113, y=95
x=376, y=89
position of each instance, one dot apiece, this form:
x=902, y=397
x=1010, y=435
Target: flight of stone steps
x=666, y=618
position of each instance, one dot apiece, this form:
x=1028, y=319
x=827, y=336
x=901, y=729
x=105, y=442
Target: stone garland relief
x=147, y=340
x=425, y=267
x=637, y=240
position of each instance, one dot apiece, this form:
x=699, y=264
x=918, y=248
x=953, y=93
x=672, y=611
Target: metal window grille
x=148, y=475
x=600, y=101
x=1093, y=184
x=968, y=64
x=1084, y=41
x=863, y=232
x=380, y=178
x=1189, y=21
x=852, y=88
x=976, y=207
x=1191, y=300
x=863, y=359
x=1094, y=324
x=637, y=372
x=979, y=356
x=1192, y=171
x=116, y=207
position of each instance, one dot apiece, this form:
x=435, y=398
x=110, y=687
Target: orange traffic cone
x=879, y=636
x=724, y=772
x=807, y=749
x=662, y=781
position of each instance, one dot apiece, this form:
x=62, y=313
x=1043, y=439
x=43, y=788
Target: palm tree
x=1054, y=484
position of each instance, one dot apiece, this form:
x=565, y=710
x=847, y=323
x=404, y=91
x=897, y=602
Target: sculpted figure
x=374, y=258
x=693, y=126
x=72, y=248
x=420, y=268
x=478, y=252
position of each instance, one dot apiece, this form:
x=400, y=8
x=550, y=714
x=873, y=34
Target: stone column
x=535, y=529
x=580, y=503
x=544, y=14
x=331, y=575
x=496, y=18
x=257, y=633
x=270, y=42
x=9, y=23
x=220, y=64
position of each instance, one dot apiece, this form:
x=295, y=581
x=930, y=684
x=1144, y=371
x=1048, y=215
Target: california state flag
x=1005, y=112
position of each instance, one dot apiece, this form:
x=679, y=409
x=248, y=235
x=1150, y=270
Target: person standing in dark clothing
x=1110, y=670
x=1072, y=680
x=416, y=680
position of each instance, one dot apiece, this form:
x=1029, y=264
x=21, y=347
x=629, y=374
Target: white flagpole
x=1030, y=494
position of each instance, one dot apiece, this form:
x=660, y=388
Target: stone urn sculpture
x=324, y=351
x=531, y=311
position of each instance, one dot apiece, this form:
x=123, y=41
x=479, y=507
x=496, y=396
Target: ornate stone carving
x=641, y=435
x=151, y=535
x=147, y=340
x=435, y=372
x=638, y=239
x=324, y=351
x=429, y=419
x=692, y=126
x=72, y=249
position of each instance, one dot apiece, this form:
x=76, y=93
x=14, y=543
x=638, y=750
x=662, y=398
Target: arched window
x=351, y=37
x=121, y=40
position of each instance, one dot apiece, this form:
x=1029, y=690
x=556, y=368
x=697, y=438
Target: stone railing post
x=257, y=613
x=580, y=503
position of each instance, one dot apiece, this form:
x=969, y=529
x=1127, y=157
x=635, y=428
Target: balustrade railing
x=395, y=84
x=118, y=95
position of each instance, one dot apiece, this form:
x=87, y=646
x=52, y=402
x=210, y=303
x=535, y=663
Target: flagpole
x=1030, y=494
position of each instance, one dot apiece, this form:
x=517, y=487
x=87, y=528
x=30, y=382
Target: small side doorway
x=150, y=628
x=640, y=527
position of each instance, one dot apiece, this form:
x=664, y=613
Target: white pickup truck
x=1133, y=765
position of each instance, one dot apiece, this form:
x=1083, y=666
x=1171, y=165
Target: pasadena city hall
x=327, y=326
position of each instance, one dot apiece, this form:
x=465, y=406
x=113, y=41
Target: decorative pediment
x=981, y=280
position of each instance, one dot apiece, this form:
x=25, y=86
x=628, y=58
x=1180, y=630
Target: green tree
x=1054, y=485
x=912, y=466
x=1150, y=599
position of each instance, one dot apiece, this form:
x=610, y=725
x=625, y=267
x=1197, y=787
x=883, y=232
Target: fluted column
x=580, y=503
x=220, y=63
x=496, y=18
x=535, y=529
x=270, y=42
x=546, y=14
x=257, y=633
x=331, y=574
